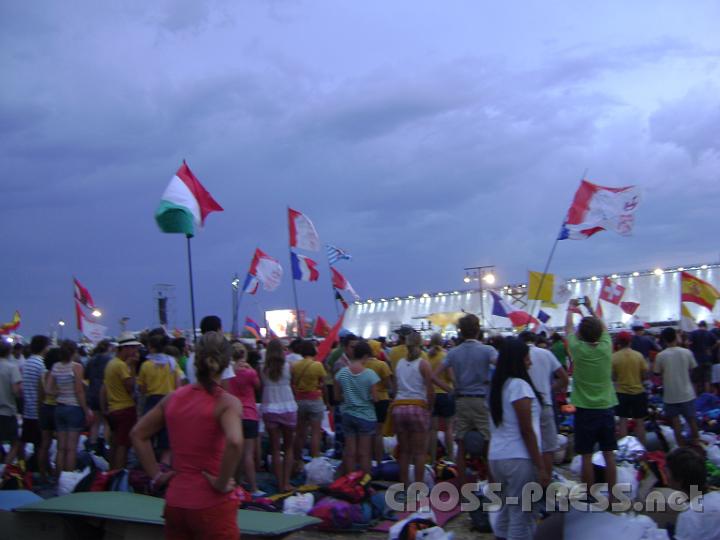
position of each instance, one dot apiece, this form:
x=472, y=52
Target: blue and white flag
x=335, y=254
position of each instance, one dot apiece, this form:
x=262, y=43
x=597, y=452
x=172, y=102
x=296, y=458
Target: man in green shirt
x=593, y=393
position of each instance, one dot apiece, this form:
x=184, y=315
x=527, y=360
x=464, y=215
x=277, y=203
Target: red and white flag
x=597, y=208
x=302, y=231
x=611, y=291
x=629, y=307
x=82, y=295
x=342, y=284
x=266, y=269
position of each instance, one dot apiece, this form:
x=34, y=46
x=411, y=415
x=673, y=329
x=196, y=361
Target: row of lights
x=657, y=272
x=490, y=279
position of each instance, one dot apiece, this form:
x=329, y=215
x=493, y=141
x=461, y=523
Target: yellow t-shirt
x=118, y=397
x=435, y=362
x=383, y=371
x=398, y=352
x=308, y=376
x=50, y=399
x=158, y=380
x=628, y=367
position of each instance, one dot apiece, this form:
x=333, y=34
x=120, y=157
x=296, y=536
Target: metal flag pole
x=298, y=326
x=192, y=288
x=549, y=260
x=236, y=299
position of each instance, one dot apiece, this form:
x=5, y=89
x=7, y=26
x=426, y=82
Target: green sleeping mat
x=135, y=508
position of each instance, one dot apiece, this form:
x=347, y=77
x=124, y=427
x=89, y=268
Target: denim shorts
x=69, y=418
x=352, y=425
x=685, y=409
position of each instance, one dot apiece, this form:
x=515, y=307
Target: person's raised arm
x=569, y=326
x=588, y=305
x=523, y=411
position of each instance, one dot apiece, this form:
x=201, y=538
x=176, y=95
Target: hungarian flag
x=185, y=204
x=340, y=299
x=302, y=231
x=326, y=346
x=597, y=208
x=342, y=284
x=517, y=317
x=629, y=307
x=252, y=327
x=82, y=295
x=322, y=328
x=266, y=269
x=611, y=291
x=303, y=268
x=11, y=326
x=697, y=291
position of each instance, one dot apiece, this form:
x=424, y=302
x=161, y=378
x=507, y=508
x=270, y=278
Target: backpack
x=352, y=487
x=16, y=477
x=336, y=514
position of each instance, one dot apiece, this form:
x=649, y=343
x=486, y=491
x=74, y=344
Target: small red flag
x=629, y=307
x=326, y=346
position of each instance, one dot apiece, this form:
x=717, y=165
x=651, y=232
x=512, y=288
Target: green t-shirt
x=558, y=349
x=592, y=373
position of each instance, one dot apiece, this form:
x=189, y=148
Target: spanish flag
x=12, y=325
x=697, y=291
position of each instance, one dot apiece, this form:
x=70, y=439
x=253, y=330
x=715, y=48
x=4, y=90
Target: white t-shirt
x=675, y=363
x=505, y=439
x=715, y=374
x=544, y=364
x=703, y=525
x=190, y=370
x=293, y=357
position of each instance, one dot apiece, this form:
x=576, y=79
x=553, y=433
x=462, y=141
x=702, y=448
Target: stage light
x=658, y=271
x=636, y=274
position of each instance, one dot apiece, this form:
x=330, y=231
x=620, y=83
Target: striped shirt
x=33, y=370
x=357, y=398
x=65, y=380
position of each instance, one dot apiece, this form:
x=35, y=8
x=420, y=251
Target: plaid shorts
x=410, y=419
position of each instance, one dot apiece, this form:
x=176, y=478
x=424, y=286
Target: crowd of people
x=194, y=415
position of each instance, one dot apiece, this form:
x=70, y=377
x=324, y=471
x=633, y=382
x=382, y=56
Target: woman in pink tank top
x=203, y=423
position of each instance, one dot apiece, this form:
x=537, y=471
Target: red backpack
x=352, y=487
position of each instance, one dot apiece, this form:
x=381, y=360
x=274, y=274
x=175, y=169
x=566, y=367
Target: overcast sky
x=423, y=137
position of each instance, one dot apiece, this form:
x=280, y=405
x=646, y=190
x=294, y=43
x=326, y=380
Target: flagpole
x=298, y=326
x=332, y=288
x=192, y=289
x=262, y=315
x=549, y=260
x=237, y=298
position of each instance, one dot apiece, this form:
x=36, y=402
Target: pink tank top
x=197, y=443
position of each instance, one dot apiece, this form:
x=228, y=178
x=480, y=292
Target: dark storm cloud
x=418, y=164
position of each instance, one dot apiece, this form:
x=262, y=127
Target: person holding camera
x=593, y=392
